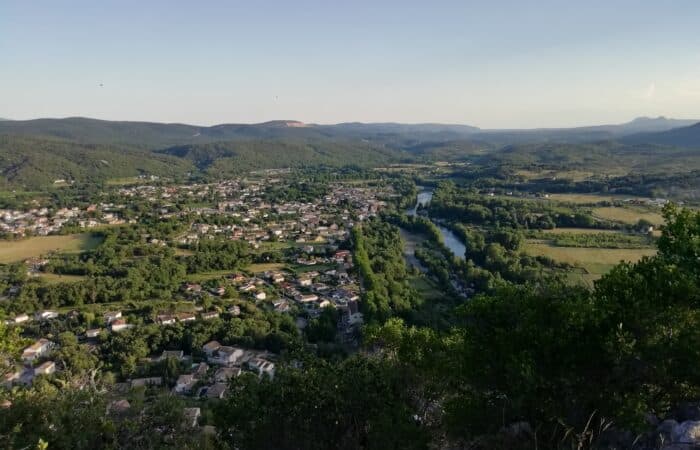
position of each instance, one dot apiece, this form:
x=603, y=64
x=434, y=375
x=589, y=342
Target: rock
x=687, y=432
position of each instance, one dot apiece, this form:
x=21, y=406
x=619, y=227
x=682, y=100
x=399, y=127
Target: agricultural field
x=595, y=261
x=578, y=231
x=13, y=251
x=628, y=214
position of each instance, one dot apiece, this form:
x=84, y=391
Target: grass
x=13, y=251
x=53, y=278
x=628, y=215
x=204, y=276
x=264, y=267
x=427, y=288
x=595, y=261
x=582, y=198
x=578, y=231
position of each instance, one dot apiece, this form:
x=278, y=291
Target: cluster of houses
x=43, y=221
x=35, y=363
x=209, y=378
x=319, y=226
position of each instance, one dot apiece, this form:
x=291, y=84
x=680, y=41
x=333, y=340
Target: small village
x=313, y=270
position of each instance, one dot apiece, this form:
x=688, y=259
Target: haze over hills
x=688, y=137
x=36, y=152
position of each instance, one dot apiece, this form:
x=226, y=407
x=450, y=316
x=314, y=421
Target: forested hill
x=688, y=137
x=33, y=162
x=232, y=157
x=35, y=153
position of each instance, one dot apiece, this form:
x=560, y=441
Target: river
x=449, y=238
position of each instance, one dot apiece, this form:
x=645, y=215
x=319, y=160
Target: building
x=210, y=347
x=262, y=367
x=186, y=317
x=37, y=350
x=93, y=333
x=209, y=315
x=119, y=325
x=226, y=355
x=184, y=383
x=46, y=368
x=112, y=316
x=46, y=315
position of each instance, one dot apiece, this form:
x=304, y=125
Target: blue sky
x=490, y=64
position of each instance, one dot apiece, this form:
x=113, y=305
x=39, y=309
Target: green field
x=204, y=276
x=595, y=261
x=13, y=251
x=578, y=231
x=629, y=215
x=53, y=278
x=264, y=267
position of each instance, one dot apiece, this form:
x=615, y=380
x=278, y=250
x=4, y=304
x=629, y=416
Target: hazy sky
x=487, y=63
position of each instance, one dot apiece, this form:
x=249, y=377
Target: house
x=304, y=281
x=341, y=255
x=306, y=298
x=165, y=319
x=186, y=317
x=210, y=347
x=226, y=355
x=260, y=295
x=262, y=366
x=277, y=278
x=193, y=287
x=93, y=333
x=281, y=305
x=209, y=315
x=237, y=278
x=150, y=381
x=112, y=316
x=184, y=383
x=224, y=374
x=234, y=310
x=46, y=368
x=247, y=287
x=37, y=350
x=10, y=378
x=177, y=354
x=216, y=390
x=218, y=291
x=119, y=325
x=191, y=416
x=21, y=318
x=46, y=315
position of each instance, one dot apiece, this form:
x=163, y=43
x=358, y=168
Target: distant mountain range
x=35, y=152
x=149, y=134
x=688, y=137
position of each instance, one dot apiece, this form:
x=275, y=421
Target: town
x=298, y=264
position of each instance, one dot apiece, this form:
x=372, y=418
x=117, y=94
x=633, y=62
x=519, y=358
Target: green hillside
x=34, y=162
x=225, y=158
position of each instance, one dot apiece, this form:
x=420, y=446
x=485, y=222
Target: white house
x=226, y=355
x=37, y=350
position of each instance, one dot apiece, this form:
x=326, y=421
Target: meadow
x=628, y=215
x=14, y=251
x=595, y=261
